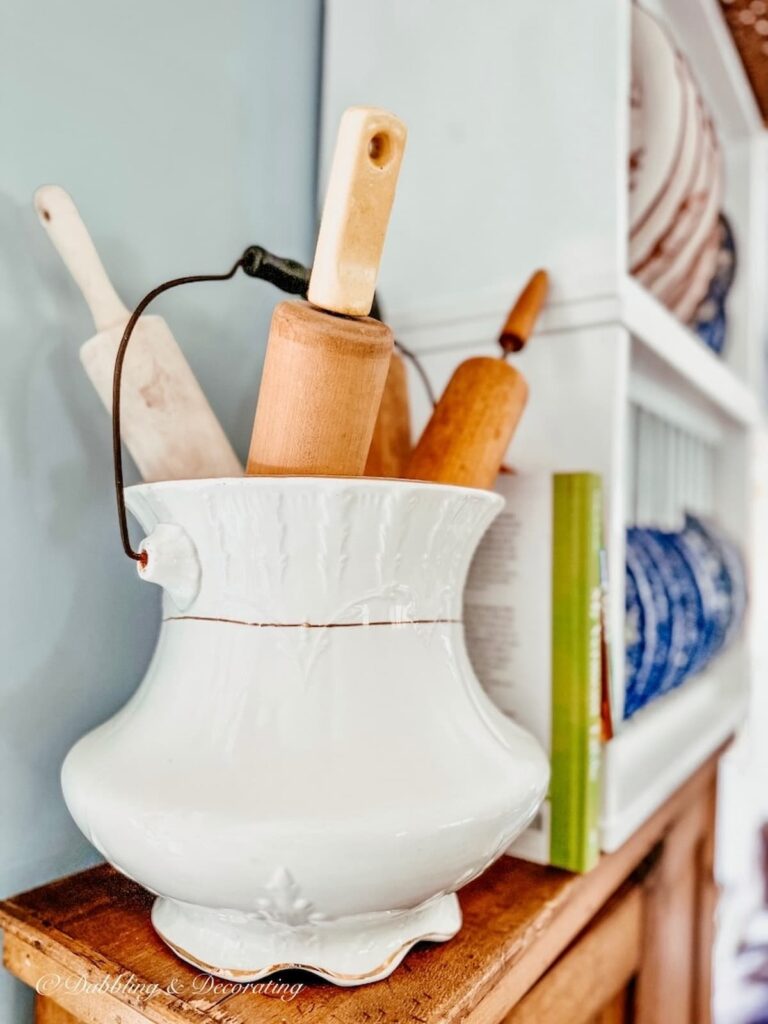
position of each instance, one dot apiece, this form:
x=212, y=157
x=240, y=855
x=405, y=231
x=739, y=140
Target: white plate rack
x=517, y=158
x=670, y=471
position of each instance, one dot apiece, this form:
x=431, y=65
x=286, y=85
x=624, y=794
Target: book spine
x=576, y=670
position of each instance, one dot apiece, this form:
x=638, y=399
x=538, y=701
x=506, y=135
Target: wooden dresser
x=629, y=941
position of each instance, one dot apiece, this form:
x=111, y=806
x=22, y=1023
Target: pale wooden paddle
x=167, y=424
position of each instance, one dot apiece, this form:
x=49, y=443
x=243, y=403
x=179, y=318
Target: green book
x=576, y=667
x=533, y=623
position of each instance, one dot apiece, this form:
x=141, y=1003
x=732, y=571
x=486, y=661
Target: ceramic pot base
x=349, y=951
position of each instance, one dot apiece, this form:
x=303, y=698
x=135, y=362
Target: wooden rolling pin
x=168, y=426
x=327, y=360
x=391, y=443
x=467, y=436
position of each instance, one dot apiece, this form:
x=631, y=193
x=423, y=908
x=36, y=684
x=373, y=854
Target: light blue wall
x=185, y=130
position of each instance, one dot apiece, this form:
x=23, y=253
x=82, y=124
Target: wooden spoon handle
x=60, y=218
x=361, y=189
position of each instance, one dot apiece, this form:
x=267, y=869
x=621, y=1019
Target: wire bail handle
x=287, y=275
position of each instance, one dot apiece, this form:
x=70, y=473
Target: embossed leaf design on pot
x=284, y=903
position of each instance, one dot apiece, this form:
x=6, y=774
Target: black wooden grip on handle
x=288, y=275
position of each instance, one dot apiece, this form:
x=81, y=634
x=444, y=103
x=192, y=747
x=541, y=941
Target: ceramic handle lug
x=170, y=559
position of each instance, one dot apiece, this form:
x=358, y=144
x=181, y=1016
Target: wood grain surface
x=467, y=435
x=361, y=190
x=594, y=972
x=748, y=28
x=391, y=443
x=320, y=393
x=48, y=1012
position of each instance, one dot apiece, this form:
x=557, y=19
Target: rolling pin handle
x=361, y=189
x=521, y=319
x=61, y=219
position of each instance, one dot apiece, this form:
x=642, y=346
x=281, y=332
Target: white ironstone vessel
x=310, y=769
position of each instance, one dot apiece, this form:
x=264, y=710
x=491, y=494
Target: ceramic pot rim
x=320, y=483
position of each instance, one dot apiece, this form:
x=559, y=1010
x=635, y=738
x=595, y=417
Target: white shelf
x=679, y=350
x=698, y=381
x=664, y=744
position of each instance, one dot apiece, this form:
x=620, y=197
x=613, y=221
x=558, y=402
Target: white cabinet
x=517, y=158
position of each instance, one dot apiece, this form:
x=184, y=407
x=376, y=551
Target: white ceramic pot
x=310, y=768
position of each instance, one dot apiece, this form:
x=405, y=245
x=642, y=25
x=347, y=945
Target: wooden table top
x=88, y=938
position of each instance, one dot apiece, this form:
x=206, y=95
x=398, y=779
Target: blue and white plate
x=705, y=558
x=634, y=641
x=734, y=566
x=686, y=596
x=686, y=606
x=734, y=571
x=710, y=319
x=657, y=619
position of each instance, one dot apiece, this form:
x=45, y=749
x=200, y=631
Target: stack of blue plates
x=686, y=596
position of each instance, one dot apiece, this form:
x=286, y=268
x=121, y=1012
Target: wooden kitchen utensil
x=327, y=361
x=167, y=424
x=391, y=443
x=469, y=431
x=468, y=434
x=525, y=312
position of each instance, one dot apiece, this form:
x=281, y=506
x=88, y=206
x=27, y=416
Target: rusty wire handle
x=288, y=275
x=117, y=378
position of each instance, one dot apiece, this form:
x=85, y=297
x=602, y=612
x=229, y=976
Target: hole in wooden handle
x=380, y=149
